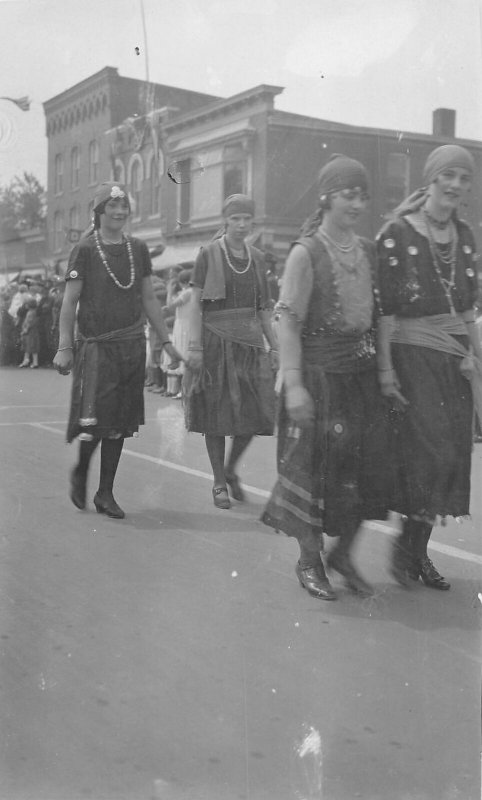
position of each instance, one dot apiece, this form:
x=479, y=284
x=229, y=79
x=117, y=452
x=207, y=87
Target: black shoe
x=430, y=576
x=108, y=506
x=235, y=487
x=315, y=582
x=340, y=562
x=78, y=489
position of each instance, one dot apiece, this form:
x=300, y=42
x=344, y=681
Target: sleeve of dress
x=199, y=271
x=390, y=268
x=296, y=283
x=78, y=262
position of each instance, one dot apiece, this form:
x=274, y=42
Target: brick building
x=181, y=153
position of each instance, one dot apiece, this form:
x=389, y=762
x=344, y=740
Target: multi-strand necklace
x=103, y=258
x=449, y=260
x=344, y=250
x=230, y=263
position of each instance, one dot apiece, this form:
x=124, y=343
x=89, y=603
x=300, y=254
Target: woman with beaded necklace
x=108, y=293
x=333, y=423
x=229, y=386
x=428, y=286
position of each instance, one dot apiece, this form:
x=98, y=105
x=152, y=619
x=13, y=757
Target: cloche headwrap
x=444, y=157
x=110, y=190
x=342, y=172
x=238, y=204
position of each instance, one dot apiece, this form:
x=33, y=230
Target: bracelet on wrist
x=195, y=349
x=69, y=347
x=167, y=342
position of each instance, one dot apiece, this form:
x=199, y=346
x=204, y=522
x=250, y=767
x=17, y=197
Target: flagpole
x=146, y=55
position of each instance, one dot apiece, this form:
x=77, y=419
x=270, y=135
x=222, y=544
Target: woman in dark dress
x=108, y=284
x=333, y=424
x=229, y=387
x=428, y=285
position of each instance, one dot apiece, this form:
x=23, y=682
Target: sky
x=379, y=63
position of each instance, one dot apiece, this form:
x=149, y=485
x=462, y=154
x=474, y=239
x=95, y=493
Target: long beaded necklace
x=230, y=263
x=449, y=260
x=103, y=258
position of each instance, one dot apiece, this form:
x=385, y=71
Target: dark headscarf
x=342, y=172
x=238, y=204
x=440, y=159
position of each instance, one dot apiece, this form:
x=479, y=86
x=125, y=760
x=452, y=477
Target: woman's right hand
x=194, y=360
x=390, y=387
x=64, y=361
x=300, y=406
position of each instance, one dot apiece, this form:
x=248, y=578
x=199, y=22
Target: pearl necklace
x=103, y=258
x=230, y=263
x=343, y=248
x=449, y=260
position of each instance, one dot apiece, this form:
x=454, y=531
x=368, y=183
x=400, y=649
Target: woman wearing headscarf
x=428, y=286
x=229, y=386
x=332, y=460
x=108, y=293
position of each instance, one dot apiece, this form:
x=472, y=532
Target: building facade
x=81, y=153
x=185, y=152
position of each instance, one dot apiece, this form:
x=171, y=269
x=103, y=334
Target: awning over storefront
x=172, y=255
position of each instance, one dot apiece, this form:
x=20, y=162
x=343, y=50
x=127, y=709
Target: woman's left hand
x=273, y=356
x=174, y=355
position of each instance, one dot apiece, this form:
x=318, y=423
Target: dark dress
x=235, y=393
x=119, y=371
x=337, y=472
x=433, y=437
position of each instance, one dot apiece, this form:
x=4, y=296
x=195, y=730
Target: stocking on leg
x=78, y=476
x=423, y=566
x=110, y=454
x=215, y=445
x=401, y=566
x=339, y=560
x=238, y=447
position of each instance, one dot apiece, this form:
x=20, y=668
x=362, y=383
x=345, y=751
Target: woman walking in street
x=229, y=386
x=332, y=442
x=108, y=284
x=428, y=285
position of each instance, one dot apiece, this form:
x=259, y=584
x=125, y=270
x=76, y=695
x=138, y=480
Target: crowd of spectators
x=29, y=316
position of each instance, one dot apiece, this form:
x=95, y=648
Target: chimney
x=443, y=124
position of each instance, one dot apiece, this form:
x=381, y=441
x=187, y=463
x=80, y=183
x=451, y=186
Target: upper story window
x=75, y=168
x=59, y=174
x=235, y=170
x=93, y=162
x=59, y=236
x=397, y=179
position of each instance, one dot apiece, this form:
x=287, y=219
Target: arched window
x=59, y=174
x=93, y=162
x=74, y=168
x=59, y=236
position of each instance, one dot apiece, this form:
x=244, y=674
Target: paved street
x=173, y=656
